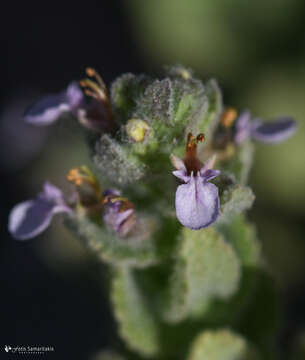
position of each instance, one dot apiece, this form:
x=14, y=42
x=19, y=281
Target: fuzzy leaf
x=138, y=251
x=116, y=163
x=221, y=345
x=137, y=325
x=214, y=110
x=176, y=106
x=242, y=236
x=207, y=268
x=235, y=200
x=125, y=91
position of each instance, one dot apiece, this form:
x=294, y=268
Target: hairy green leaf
x=137, y=325
x=221, y=345
x=138, y=251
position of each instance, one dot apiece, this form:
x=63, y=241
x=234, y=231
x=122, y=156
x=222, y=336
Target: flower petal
x=75, y=97
x=119, y=222
x=197, y=203
x=32, y=217
x=52, y=193
x=209, y=164
x=177, y=163
x=210, y=174
x=274, y=131
x=47, y=110
x=108, y=192
x=242, y=127
x=182, y=175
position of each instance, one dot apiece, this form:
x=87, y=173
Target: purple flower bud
x=197, y=201
x=32, y=217
x=49, y=108
x=119, y=213
x=269, y=132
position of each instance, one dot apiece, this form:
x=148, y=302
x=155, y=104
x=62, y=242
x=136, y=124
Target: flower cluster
x=197, y=198
x=32, y=217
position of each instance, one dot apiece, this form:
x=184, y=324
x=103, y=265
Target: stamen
x=125, y=203
x=96, y=89
x=228, y=117
x=191, y=145
x=200, y=138
x=82, y=175
x=93, y=73
x=192, y=163
x=100, y=93
x=74, y=176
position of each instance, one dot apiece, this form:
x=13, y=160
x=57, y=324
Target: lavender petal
x=210, y=174
x=182, y=175
x=197, y=203
x=32, y=217
x=274, y=131
x=242, y=127
x=47, y=110
x=75, y=97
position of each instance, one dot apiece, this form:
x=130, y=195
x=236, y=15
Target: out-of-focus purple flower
x=197, y=201
x=20, y=142
x=95, y=114
x=268, y=132
x=32, y=217
x=49, y=108
x=119, y=213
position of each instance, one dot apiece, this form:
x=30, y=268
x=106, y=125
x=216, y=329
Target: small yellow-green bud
x=137, y=129
x=185, y=74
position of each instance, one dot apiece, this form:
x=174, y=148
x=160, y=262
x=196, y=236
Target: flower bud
x=137, y=129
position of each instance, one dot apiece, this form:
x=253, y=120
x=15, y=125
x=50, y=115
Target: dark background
x=50, y=297
x=43, y=50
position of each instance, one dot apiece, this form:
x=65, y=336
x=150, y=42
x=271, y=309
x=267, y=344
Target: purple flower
x=268, y=132
x=32, y=217
x=95, y=114
x=119, y=213
x=49, y=108
x=197, y=201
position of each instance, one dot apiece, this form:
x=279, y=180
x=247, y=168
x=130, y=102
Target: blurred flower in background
x=20, y=142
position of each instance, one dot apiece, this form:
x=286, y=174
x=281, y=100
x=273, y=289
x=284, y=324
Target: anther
x=228, y=117
x=200, y=138
x=93, y=73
